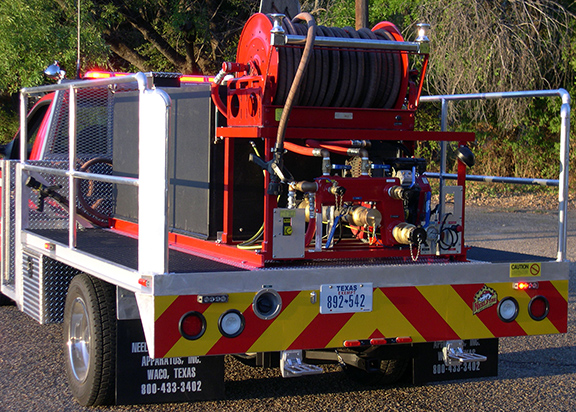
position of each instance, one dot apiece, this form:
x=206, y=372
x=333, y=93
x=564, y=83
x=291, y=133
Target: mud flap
x=428, y=363
x=140, y=379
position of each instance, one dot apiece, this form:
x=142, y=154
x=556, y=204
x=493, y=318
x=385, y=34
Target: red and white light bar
x=525, y=285
x=185, y=78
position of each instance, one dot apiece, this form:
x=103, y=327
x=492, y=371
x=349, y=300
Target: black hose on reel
x=340, y=77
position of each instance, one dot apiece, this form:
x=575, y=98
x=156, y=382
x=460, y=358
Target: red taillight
x=404, y=339
x=538, y=307
x=192, y=325
x=378, y=341
x=352, y=343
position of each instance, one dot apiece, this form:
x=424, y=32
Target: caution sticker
x=525, y=270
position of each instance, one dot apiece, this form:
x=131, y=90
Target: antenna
x=78, y=40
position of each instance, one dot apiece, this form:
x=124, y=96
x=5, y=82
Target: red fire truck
x=275, y=212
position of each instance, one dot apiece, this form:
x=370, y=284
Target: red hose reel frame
x=251, y=93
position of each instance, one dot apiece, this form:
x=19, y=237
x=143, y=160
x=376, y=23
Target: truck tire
x=90, y=340
x=390, y=371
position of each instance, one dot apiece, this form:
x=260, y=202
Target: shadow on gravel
x=494, y=255
x=522, y=364
x=537, y=362
x=330, y=382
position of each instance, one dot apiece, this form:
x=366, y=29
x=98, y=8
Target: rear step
x=292, y=366
x=454, y=354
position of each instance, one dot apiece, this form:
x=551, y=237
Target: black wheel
x=90, y=340
x=386, y=372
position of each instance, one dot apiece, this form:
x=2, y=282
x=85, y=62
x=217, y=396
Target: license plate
x=346, y=298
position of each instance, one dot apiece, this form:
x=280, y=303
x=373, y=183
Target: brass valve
x=408, y=234
x=363, y=216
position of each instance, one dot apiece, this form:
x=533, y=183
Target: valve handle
x=277, y=173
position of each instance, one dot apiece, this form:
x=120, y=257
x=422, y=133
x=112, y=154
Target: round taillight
x=192, y=325
x=231, y=323
x=267, y=304
x=508, y=309
x=538, y=307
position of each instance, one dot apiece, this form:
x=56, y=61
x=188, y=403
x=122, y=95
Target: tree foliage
x=480, y=46
x=34, y=35
x=486, y=46
x=187, y=36
x=477, y=45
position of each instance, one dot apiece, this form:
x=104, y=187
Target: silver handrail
x=153, y=127
x=564, y=150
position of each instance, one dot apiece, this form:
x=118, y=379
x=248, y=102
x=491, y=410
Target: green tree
x=187, y=36
x=485, y=46
x=34, y=35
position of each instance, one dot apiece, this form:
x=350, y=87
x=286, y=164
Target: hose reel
x=347, y=68
x=336, y=76
x=342, y=77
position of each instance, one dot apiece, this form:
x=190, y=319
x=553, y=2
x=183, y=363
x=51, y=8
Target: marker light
x=379, y=341
x=192, y=325
x=231, y=323
x=507, y=309
x=525, y=285
x=538, y=307
x=423, y=32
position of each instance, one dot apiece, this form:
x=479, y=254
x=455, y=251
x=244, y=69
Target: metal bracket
x=454, y=354
x=292, y=366
x=277, y=34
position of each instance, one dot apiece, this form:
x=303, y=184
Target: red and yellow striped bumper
x=423, y=313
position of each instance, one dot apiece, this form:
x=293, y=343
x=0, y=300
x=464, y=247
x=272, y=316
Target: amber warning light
x=525, y=285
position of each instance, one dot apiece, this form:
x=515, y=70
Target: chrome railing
x=561, y=182
x=154, y=109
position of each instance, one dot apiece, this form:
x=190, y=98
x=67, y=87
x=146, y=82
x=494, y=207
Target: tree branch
x=125, y=52
x=153, y=37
